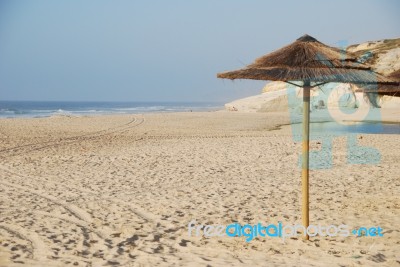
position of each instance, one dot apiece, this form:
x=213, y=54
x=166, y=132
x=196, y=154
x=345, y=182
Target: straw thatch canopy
x=307, y=59
x=384, y=89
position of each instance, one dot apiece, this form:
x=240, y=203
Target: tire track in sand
x=83, y=218
x=157, y=228
x=74, y=210
x=19, y=150
x=39, y=250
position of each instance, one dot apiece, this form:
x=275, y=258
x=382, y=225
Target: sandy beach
x=121, y=190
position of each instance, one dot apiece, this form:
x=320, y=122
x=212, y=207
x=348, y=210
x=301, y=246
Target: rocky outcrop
x=383, y=55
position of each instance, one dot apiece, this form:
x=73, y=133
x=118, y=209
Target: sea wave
x=15, y=109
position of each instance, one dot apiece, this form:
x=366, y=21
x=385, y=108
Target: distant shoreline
x=40, y=109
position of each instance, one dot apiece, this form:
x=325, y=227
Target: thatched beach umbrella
x=312, y=63
x=383, y=89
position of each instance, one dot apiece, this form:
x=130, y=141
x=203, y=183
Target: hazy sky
x=164, y=50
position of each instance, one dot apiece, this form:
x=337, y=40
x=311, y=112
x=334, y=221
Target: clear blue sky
x=164, y=50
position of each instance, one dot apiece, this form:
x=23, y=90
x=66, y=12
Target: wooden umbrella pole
x=305, y=157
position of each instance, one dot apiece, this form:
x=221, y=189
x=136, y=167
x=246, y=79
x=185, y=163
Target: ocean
x=34, y=109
